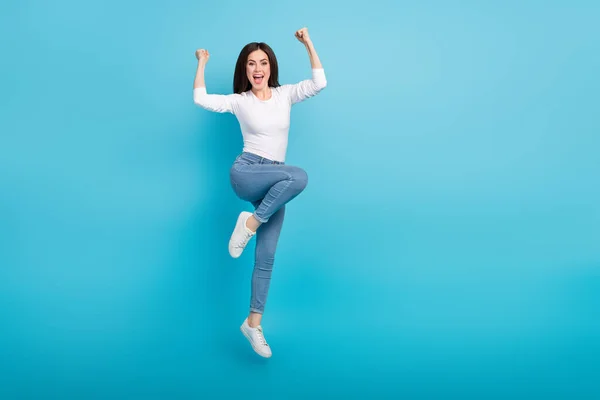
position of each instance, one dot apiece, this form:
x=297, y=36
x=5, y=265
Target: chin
x=259, y=87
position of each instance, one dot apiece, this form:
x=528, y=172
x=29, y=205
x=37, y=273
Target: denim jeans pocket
x=244, y=159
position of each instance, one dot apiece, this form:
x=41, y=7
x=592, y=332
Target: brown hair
x=240, y=79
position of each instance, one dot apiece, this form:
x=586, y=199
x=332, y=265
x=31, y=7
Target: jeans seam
x=289, y=182
x=237, y=169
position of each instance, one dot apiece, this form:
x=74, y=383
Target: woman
x=259, y=174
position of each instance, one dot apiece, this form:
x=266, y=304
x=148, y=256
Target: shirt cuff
x=318, y=76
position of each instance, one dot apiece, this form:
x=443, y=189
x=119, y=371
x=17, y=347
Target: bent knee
x=299, y=179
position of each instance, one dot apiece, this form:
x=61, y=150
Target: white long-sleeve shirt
x=264, y=123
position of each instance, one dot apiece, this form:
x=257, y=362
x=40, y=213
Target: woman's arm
x=211, y=102
x=202, y=56
x=304, y=38
x=309, y=87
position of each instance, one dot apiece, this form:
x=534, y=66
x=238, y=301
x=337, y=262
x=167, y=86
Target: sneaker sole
x=251, y=344
x=232, y=254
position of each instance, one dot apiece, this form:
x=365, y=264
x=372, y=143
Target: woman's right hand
x=202, y=55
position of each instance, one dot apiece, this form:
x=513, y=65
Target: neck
x=263, y=94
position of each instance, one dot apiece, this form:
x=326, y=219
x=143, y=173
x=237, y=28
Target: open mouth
x=258, y=78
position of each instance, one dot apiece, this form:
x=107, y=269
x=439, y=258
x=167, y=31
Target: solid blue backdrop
x=447, y=244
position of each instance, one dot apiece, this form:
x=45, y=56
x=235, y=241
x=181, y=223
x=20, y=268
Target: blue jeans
x=269, y=186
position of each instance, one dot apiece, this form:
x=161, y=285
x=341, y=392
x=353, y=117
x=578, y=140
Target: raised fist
x=202, y=55
x=302, y=35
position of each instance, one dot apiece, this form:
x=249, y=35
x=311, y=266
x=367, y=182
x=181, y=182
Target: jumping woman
x=259, y=174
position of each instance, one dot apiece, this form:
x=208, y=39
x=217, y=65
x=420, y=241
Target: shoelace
x=261, y=337
x=244, y=240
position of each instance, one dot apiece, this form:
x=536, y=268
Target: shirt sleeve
x=220, y=103
x=309, y=87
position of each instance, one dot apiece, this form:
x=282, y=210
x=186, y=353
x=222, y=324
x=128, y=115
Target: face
x=258, y=69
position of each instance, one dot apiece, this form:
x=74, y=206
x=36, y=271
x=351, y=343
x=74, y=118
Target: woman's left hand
x=302, y=35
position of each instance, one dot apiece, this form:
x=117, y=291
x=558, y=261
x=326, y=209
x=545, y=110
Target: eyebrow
x=264, y=59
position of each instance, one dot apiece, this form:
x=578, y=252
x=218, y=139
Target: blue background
x=447, y=244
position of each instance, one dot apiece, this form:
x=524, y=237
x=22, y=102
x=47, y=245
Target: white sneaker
x=240, y=236
x=256, y=338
